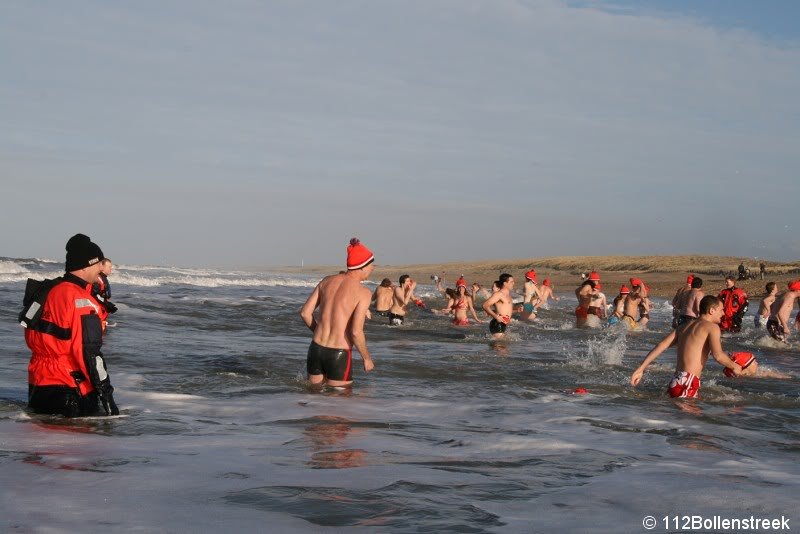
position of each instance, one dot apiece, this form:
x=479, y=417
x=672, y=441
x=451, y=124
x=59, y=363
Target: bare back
x=781, y=309
x=384, y=297
x=694, y=340
x=341, y=300
x=691, y=306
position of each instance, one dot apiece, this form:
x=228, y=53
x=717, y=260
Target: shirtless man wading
x=343, y=305
x=781, y=311
x=500, y=305
x=403, y=294
x=383, y=297
x=695, y=340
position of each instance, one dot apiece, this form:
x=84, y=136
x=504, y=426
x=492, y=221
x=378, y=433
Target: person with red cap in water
x=461, y=303
x=633, y=305
x=695, y=341
x=781, y=311
x=637, y=285
x=679, y=298
x=617, y=305
x=584, y=294
x=545, y=294
x=339, y=326
x=527, y=311
x=598, y=304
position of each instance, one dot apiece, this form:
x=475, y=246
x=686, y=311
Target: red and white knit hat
x=358, y=256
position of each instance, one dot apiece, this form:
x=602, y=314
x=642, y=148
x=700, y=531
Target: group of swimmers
x=699, y=320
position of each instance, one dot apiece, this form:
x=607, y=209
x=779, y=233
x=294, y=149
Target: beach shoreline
x=663, y=274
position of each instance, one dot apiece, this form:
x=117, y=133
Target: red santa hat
x=624, y=290
x=594, y=276
x=794, y=286
x=358, y=256
x=531, y=275
x=461, y=283
x=546, y=282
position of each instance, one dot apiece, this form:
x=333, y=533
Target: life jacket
x=734, y=305
x=36, y=292
x=63, y=331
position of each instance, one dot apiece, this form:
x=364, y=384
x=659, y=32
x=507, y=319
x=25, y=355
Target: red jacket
x=59, y=356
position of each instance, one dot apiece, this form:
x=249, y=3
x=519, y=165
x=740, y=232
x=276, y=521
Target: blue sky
x=192, y=133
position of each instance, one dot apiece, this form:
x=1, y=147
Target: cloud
x=473, y=126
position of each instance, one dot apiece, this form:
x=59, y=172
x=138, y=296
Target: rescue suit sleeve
x=95, y=364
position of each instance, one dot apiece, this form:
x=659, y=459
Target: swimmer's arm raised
x=663, y=345
x=357, y=332
x=307, y=311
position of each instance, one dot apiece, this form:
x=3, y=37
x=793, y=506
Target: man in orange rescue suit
x=67, y=374
x=734, y=301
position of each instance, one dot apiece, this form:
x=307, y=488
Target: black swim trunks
x=334, y=364
x=775, y=329
x=395, y=320
x=497, y=327
x=384, y=313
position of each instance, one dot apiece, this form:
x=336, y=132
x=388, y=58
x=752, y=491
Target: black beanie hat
x=82, y=253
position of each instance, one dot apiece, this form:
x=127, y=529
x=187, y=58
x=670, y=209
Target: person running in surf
x=500, y=306
x=527, y=311
x=695, y=340
x=461, y=304
x=339, y=326
x=545, y=294
x=762, y=316
x=781, y=311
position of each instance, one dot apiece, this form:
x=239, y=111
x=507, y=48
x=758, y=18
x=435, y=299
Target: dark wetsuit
x=334, y=364
x=497, y=327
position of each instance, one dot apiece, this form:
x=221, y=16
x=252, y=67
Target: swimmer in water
x=545, y=294
x=500, y=305
x=584, y=294
x=403, y=294
x=695, y=340
x=679, y=299
x=462, y=303
x=527, y=311
x=343, y=305
x=781, y=311
x=383, y=297
x=761, y=318
x=597, y=302
x=690, y=304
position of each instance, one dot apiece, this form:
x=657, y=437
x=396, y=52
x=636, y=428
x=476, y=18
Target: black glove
x=106, y=393
x=110, y=306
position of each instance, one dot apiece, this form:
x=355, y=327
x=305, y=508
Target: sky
x=240, y=134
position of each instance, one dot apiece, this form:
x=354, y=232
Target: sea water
x=450, y=433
